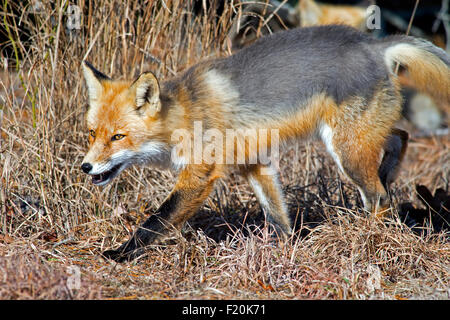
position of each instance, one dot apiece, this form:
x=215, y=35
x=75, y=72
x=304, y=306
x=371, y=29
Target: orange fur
x=194, y=185
x=312, y=13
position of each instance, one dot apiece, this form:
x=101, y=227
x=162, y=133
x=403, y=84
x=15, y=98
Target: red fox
x=332, y=82
x=312, y=13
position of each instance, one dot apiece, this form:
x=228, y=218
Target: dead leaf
x=4, y=238
x=48, y=236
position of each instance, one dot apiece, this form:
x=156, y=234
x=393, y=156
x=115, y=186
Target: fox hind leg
x=359, y=159
x=360, y=138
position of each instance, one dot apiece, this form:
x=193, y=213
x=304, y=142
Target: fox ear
x=146, y=91
x=94, y=80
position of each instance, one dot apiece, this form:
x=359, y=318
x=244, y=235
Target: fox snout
x=103, y=174
x=86, y=167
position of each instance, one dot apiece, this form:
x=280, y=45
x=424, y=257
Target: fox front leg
x=194, y=185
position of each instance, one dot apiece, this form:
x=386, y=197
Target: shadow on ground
x=311, y=205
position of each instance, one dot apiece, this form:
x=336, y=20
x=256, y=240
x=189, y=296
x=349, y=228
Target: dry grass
x=53, y=218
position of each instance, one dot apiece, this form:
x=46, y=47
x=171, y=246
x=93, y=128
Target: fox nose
x=86, y=167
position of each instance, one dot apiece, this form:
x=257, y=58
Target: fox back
x=280, y=72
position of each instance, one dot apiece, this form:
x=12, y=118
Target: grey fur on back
x=285, y=69
x=277, y=74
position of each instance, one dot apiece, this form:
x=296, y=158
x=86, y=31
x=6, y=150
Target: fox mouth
x=106, y=176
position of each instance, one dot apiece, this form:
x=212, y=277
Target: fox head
x=125, y=124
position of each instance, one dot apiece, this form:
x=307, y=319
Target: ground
x=54, y=223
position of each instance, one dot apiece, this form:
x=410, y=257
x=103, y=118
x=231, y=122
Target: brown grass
x=53, y=218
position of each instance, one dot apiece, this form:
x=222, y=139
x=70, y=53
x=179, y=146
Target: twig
x=401, y=24
x=443, y=17
x=409, y=29
x=64, y=241
x=274, y=13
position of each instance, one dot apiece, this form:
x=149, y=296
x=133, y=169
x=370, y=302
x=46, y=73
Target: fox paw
x=121, y=255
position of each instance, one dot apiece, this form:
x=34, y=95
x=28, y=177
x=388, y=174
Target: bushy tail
x=427, y=65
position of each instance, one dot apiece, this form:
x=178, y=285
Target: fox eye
x=92, y=133
x=117, y=137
